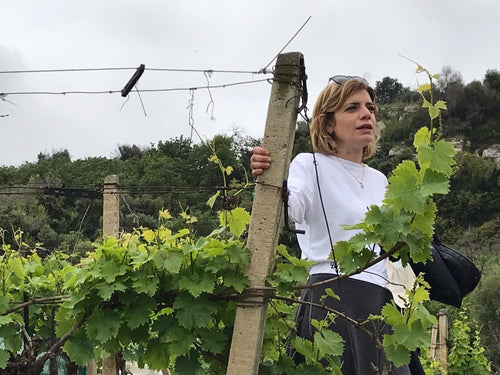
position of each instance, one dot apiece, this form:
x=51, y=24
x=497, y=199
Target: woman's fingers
x=260, y=160
x=258, y=150
x=259, y=166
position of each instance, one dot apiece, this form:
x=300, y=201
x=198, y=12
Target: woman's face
x=354, y=124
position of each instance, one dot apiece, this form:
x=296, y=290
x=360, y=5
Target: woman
x=329, y=189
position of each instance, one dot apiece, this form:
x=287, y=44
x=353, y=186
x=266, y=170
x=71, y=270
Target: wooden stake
x=264, y=228
x=443, y=339
x=433, y=347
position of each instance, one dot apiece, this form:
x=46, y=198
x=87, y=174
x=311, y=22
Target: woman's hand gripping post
x=260, y=160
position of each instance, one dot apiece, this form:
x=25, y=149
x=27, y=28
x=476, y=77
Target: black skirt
x=358, y=299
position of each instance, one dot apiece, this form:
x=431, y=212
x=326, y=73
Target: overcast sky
x=363, y=37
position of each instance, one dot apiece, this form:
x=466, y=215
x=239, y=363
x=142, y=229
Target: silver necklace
x=360, y=182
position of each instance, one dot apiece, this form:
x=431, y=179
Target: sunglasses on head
x=341, y=79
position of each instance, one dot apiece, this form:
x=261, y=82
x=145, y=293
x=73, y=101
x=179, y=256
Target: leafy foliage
x=158, y=294
x=466, y=353
x=484, y=309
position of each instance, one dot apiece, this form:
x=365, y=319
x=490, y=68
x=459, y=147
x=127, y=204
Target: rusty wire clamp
x=284, y=196
x=255, y=296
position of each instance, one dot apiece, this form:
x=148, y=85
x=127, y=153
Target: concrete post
x=111, y=207
x=265, y=223
x=110, y=227
x=91, y=368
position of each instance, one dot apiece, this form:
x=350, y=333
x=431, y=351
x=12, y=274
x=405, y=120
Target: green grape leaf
x=443, y=159
x=109, y=270
x=163, y=322
x=422, y=137
x=237, y=254
x=403, y=190
x=419, y=245
x=213, y=247
x=420, y=248
x=105, y=290
x=392, y=315
x=301, y=263
x=197, y=284
x=140, y=258
x=157, y=354
x=236, y=219
x=424, y=87
x=395, y=352
x=33, y=266
x=12, y=340
x=411, y=337
x=282, y=365
x=304, y=347
x=353, y=254
x=291, y=273
x=149, y=235
x=79, y=348
x=311, y=369
x=328, y=343
x=75, y=277
x=17, y=266
x=4, y=303
x=66, y=319
x=186, y=364
x=212, y=340
x=212, y=199
x=441, y=104
x=128, y=335
x=103, y=325
x=434, y=183
x=5, y=319
x=193, y=312
x=170, y=261
x=235, y=280
x=331, y=293
x=420, y=295
x=138, y=310
x=145, y=282
x=391, y=226
x=425, y=156
x=433, y=112
x=424, y=221
x=421, y=314
x=180, y=339
x=4, y=358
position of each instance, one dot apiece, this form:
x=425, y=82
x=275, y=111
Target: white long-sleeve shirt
x=347, y=189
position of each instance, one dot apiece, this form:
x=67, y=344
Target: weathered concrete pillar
x=264, y=228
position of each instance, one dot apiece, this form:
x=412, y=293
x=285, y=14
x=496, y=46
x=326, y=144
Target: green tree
x=473, y=190
x=492, y=80
x=484, y=307
x=389, y=90
x=129, y=152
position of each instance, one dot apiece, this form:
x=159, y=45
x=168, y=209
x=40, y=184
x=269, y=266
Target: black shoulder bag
x=450, y=274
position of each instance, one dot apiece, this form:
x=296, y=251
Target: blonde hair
x=329, y=101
